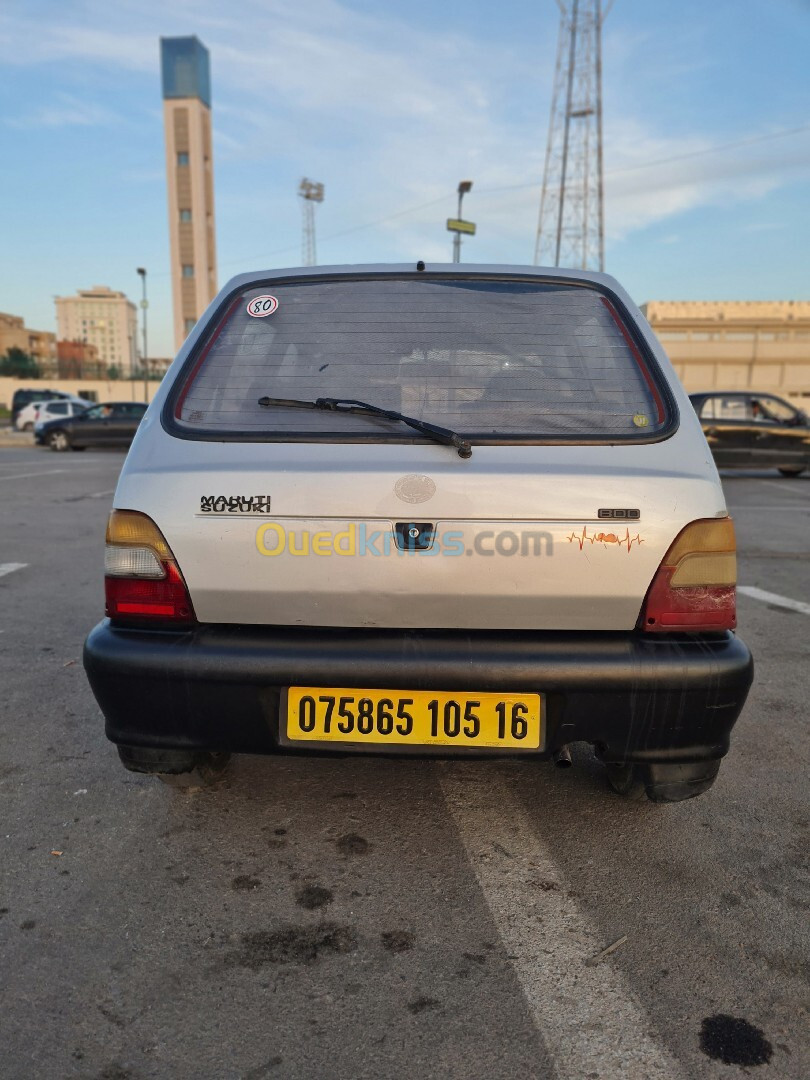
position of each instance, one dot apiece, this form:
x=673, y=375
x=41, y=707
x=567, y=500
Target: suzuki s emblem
x=415, y=488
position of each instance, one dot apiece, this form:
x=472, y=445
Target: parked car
x=401, y=509
x=752, y=430
x=111, y=424
x=25, y=405
x=42, y=411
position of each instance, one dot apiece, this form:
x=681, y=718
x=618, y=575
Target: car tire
x=58, y=440
x=662, y=783
x=793, y=471
x=177, y=768
x=78, y=449
x=28, y=427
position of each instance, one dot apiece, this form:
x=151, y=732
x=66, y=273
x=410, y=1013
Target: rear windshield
x=490, y=359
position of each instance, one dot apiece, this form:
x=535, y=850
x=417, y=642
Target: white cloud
x=390, y=114
x=65, y=111
x=689, y=174
x=26, y=40
x=763, y=226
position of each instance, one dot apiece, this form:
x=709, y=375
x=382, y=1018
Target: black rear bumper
x=647, y=698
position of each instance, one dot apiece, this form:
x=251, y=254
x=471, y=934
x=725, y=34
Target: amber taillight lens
x=142, y=581
x=695, y=587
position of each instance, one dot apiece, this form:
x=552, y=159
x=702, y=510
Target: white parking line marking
x=783, y=489
x=774, y=598
x=26, y=475
x=587, y=1016
x=10, y=567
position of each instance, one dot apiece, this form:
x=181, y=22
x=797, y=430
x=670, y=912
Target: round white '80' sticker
x=261, y=306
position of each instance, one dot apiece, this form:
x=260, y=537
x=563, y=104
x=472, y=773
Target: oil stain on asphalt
x=352, y=844
x=734, y=1041
x=244, y=882
x=292, y=945
x=422, y=1004
x=397, y=941
x=312, y=897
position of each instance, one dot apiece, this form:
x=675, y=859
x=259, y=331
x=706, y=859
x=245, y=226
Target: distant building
x=159, y=365
x=736, y=344
x=189, y=179
x=41, y=344
x=79, y=360
x=105, y=319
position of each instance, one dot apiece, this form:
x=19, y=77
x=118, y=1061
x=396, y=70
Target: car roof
x=28, y=391
x=584, y=277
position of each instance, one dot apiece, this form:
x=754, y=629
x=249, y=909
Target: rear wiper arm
x=350, y=405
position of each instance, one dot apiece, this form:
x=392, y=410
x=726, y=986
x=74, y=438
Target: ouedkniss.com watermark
x=359, y=539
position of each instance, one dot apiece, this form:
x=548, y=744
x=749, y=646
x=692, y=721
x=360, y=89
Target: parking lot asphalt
x=363, y=917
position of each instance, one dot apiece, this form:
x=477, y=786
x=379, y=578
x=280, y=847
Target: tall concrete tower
x=189, y=179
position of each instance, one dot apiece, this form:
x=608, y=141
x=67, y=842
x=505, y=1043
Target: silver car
x=422, y=510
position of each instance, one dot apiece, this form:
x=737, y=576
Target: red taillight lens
x=695, y=586
x=142, y=581
x=167, y=599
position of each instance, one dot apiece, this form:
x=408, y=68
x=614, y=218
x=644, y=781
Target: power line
x=346, y=232
x=517, y=187
x=711, y=150
x=665, y=161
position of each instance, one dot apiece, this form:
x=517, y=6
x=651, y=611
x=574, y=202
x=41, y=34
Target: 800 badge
x=262, y=306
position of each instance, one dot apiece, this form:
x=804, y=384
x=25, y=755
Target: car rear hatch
x=578, y=482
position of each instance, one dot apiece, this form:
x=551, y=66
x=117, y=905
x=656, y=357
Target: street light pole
x=463, y=187
x=144, y=306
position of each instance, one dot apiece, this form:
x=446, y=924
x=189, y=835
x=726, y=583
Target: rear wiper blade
x=350, y=405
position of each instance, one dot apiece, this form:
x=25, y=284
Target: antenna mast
x=570, y=228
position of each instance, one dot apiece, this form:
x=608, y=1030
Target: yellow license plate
x=413, y=717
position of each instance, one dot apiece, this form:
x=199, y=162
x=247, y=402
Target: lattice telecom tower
x=311, y=193
x=570, y=229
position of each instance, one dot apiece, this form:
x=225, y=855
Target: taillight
x=142, y=580
x=695, y=587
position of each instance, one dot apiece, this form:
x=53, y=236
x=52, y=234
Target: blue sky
x=390, y=105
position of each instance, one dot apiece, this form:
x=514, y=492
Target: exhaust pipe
x=562, y=757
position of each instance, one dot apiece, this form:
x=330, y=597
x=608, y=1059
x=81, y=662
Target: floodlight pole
x=144, y=306
x=463, y=187
x=311, y=192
